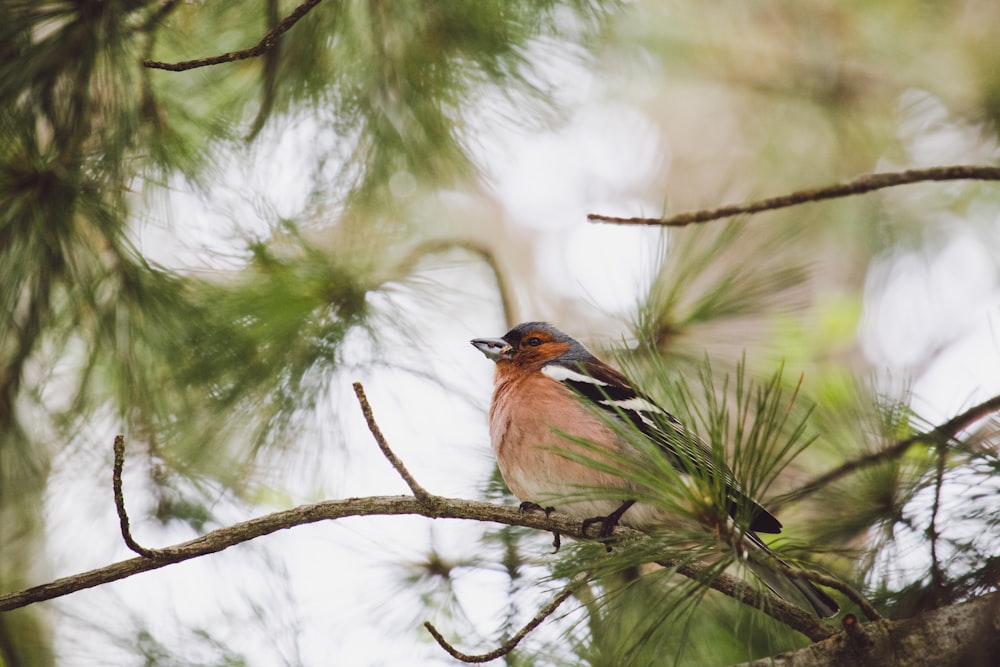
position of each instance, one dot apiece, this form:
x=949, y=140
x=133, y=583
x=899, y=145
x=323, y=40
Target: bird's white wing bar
x=560, y=373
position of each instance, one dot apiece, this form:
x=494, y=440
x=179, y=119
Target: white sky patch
x=606, y=160
x=917, y=303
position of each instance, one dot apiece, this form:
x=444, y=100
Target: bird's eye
x=534, y=341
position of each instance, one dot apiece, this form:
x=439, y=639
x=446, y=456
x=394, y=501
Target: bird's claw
x=535, y=507
x=607, y=523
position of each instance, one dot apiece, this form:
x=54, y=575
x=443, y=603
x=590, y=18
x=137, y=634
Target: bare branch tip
x=123, y=521
x=420, y=492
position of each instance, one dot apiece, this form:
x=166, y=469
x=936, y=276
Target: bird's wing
x=607, y=389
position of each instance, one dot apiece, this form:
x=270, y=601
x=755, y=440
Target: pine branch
x=941, y=435
x=855, y=186
x=443, y=508
x=266, y=43
x=434, y=507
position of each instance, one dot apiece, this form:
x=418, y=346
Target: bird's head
x=531, y=344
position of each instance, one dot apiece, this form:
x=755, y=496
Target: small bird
x=551, y=394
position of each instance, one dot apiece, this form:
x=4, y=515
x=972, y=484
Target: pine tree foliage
x=757, y=334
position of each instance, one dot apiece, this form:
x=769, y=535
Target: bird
x=556, y=407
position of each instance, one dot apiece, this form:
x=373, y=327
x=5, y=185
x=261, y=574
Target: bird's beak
x=493, y=348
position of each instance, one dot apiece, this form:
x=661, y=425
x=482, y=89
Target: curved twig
x=116, y=484
x=484, y=253
x=511, y=643
x=266, y=43
x=269, y=87
x=855, y=186
x=866, y=607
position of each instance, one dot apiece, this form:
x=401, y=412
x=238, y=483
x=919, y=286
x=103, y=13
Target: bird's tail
x=787, y=587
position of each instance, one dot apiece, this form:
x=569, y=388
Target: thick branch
x=941, y=435
x=961, y=635
x=263, y=46
x=855, y=186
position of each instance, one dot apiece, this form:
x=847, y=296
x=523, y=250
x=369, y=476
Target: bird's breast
x=535, y=422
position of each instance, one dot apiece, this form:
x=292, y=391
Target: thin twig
x=764, y=600
x=866, y=607
x=942, y=434
x=937, y=575
x=855, y=186
x=366, y=408
x=263, y=46
x=269, y=89
x=511, y=643
x=116, y=483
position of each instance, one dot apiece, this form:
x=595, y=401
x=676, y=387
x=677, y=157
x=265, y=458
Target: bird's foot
x=607, y=523
x=535, y=507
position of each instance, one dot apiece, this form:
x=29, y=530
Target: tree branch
x=511, y=643
x=440, y=508
x=961, y=635
x=855, y=186
x=942, y=435
x=418, y=491
x=263, y=46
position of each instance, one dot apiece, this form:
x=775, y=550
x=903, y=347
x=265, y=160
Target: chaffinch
x=551, y=395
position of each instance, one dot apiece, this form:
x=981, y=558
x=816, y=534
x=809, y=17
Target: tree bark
x=961, y=635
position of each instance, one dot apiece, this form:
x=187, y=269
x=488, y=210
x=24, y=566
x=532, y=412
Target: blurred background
x=204, y=260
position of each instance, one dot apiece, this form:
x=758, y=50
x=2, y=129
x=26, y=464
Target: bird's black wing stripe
x=599, y=393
